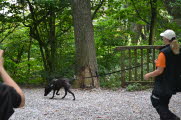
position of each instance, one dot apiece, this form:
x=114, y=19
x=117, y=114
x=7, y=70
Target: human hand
x=146, y=76
x=155, y=61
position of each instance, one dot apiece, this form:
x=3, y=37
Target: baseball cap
x=169, y=34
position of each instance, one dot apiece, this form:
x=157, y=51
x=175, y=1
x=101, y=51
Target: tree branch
x=138, y=14
x=9, y=33
x=98, y=7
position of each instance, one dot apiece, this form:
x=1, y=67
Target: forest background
x=44, y=39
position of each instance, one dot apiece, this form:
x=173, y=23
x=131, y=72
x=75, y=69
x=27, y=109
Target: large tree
x=86, y=63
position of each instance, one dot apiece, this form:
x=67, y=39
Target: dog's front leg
x=57, y=92
x=53, y=94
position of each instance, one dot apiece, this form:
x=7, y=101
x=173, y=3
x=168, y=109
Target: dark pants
x=160, y=103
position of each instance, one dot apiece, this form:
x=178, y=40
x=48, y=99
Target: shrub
x=136, y=87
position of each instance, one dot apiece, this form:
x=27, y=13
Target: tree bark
x=85, y=47
x=153, y=21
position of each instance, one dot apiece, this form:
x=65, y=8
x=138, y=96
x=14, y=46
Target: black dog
x=56, y=84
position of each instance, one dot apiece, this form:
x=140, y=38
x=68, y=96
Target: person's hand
x=155, y=61
x=1, y=58
x=146, y=76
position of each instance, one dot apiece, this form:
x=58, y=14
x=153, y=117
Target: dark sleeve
x=9, y=99
x=15, y=98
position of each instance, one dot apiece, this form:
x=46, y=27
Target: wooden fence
x=137, y=60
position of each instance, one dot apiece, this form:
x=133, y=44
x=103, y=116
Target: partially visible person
x=167, y=75
x=11, y=95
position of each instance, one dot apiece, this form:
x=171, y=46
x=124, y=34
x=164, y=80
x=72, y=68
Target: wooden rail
x=141, y=56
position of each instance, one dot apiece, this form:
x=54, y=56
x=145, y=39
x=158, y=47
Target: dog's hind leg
x=71, y=93
x=65, y=93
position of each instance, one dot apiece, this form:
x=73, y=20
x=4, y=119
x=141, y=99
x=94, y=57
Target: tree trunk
x=52, y=60
x=136, y=29
x=86, y=63
x=29, y=55
x=153, y=21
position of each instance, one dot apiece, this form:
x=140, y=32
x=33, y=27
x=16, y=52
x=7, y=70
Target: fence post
x=141, y=64
x=135, y=63
x=148, y=60
x=123, y=82
x=130, y=61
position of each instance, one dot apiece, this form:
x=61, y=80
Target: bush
x=111, y=82
x=136, y=87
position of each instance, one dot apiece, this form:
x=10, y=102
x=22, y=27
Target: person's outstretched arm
x=9, y=81
x=155, y=73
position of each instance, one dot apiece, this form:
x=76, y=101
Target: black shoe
x=173, y=118
x=176, y=118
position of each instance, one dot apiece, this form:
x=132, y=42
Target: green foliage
x=136, y=87
x=111, y=82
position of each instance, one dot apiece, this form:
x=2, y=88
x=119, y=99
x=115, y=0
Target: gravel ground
x=93, y=104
